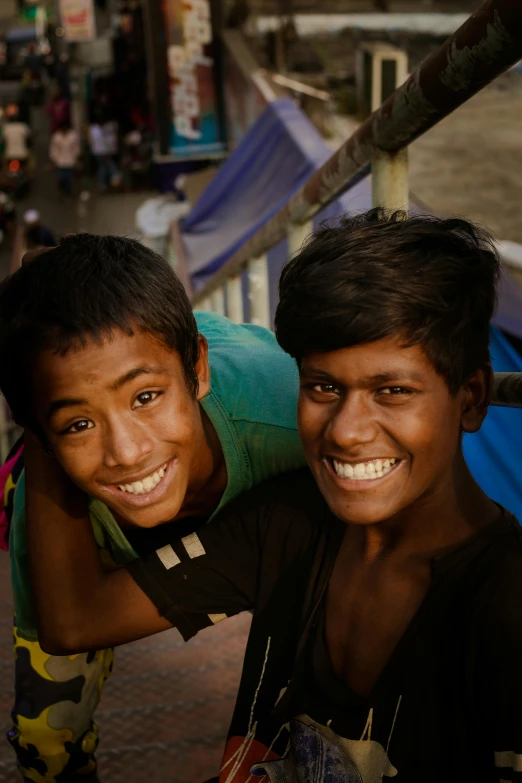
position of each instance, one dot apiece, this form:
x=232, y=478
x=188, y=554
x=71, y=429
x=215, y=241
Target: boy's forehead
x=389, y=357
x=106, y=362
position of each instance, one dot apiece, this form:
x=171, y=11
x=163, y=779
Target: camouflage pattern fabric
x=53, y=734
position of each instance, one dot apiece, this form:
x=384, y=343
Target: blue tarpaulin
x=279, y=153
x=275, y=158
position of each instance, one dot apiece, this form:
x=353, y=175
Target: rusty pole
x=507, y=389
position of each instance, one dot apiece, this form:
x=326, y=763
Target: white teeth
x=145, y=485
x=362, y=471
x=359, y=470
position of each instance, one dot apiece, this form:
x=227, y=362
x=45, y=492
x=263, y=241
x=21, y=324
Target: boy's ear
x=477, y=393
x=203, y=368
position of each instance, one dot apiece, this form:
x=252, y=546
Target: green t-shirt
x=252, y=405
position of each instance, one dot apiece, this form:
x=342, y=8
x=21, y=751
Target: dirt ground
x=471, y=163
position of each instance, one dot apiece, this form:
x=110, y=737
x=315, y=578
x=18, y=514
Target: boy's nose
x=352, y=425
x=125, y=445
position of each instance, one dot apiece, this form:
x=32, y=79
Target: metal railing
x=485, y=46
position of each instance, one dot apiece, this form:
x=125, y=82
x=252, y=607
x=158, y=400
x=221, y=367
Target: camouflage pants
x=53, y=733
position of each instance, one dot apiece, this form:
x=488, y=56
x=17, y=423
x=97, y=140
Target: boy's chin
x=139, y=524
x=361, y=513
x=147, y=519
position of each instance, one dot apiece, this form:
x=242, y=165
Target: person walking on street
x=64, y=152
x=101, y=148
x=16, y=138
x=58, y=109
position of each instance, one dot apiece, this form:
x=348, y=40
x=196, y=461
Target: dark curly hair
x=431, y=280
x=84, y=289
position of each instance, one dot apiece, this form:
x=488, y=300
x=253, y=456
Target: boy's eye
x=80, y=426
x=394, y=390
x=325, y=388
x=144, y=398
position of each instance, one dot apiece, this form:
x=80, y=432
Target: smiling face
x=122, y=423
x=380, y=429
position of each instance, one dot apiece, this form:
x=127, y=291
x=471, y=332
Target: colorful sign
x=77, y=18
x=195, y=128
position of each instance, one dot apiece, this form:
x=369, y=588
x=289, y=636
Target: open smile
x=356, y=475
x=146, y=490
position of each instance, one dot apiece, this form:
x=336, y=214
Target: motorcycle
x=16, y=179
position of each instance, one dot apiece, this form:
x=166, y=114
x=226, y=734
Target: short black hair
x=430, y=280
x=85, y=288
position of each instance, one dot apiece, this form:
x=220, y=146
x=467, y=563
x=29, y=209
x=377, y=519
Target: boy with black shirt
x=386, y=640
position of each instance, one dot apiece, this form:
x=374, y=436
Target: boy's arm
x=191, y=583
x=78, y=605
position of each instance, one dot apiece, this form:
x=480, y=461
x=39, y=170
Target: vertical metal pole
x=258, y=292
x=217, y=300
x=235, y=300
x=218, y=49
x=390, y=180
x=297, y=233
x=156, y=27
x=376, y=98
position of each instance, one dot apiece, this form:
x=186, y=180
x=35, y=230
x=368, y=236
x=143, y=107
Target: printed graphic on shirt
x=317, y=753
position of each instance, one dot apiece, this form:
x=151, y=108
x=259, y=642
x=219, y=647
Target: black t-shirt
x=448, y=705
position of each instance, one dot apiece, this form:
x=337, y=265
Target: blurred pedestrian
x=34, y=61
x=62, y=76
x=101, y=145
x=58, y=109
x=36, y=234
x=111, y=135
x=64, y=152
x=16, y=139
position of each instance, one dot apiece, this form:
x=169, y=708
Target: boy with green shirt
x=161, y=418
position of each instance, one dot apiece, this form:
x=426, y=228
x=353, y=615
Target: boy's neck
x=210, y=475
x=433, y=525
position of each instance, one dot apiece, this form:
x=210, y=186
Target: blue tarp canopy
x=278, y=154
x=275, y=158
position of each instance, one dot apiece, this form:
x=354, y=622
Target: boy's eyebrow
x=145, y=369
x=69, y=402
x=369, y=380
x=58, y=405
